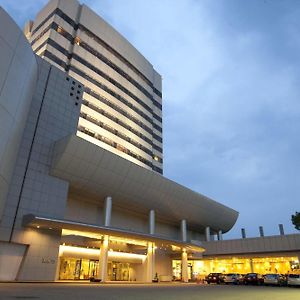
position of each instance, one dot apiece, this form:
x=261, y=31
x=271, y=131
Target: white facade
x=17, y=78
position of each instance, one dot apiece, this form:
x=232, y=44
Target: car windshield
x=271, y=276
x=294, y=276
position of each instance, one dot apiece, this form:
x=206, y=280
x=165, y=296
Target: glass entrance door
x=93, y=268
x=118, y=271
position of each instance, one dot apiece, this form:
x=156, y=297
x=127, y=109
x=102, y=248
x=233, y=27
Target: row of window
x=120, y=122
x=108, y=62
x=119, y=147
x=118, y=109
x=59, y=62
x=58, y=12
x=114, y=94
x=82, y=61
x=112, y=81
x=54, y=58
x=87, y=64
x=54, y=45
x=120, y=57
x=115, y=132
x=66, y=18
x=116, y=120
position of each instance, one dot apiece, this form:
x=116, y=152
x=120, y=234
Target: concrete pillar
x=220, y=236
x=207, y=233
x=183, y=227
x=107, y=211
x=243, y=233
x=150, y=264
x=152, y=221
x=281, y=230
x=103, y=258
x=261, y=231
x=184, y=266
x=251, y=265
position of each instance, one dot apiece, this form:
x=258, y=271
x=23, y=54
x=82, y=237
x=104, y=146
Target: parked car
x=275, y=279
x=253, y=278
x=214, y=278
x=293, y=279
x=232, y=278
x=241, y=279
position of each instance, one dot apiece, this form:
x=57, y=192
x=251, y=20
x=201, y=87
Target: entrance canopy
x=97, y=232
x=95, y=173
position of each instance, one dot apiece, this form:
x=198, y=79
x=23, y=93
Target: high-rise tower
x=122, y=106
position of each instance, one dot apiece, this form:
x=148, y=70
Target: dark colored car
x=214, y=278
x=253, y=278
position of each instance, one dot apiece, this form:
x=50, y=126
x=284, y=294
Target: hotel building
x=122, y=101
x=81, y=188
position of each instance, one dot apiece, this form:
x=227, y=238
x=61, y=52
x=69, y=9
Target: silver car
x=274, y=279
x=293, y=279
x=232, y=278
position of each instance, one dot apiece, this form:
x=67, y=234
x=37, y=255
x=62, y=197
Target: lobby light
x=96, y=252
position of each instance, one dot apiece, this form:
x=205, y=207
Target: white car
x=293, y=279
x=274, y=279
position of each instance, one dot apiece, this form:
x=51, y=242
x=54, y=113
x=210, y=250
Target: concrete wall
x=268, y=244
x=11, y=257
x=18, y=77
x=53, y=115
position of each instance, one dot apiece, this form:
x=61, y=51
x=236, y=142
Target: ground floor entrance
x=84, y=269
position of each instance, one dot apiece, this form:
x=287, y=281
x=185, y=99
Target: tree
x=296, y=220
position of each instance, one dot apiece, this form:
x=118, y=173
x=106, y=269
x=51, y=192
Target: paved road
x=62, y=291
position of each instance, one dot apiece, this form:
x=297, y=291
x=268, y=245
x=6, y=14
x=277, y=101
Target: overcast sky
x=231, y=96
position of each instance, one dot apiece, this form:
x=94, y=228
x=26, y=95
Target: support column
x=251, y=265
x=107, y=211
x=150, y=267
x=152, y=221
x=220, y=236
x=207, y=233
x=103, y=258
x=184, y=266
x=183, y=227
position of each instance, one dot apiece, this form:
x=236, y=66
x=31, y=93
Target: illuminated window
x=77, y=41
x=59, y=29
